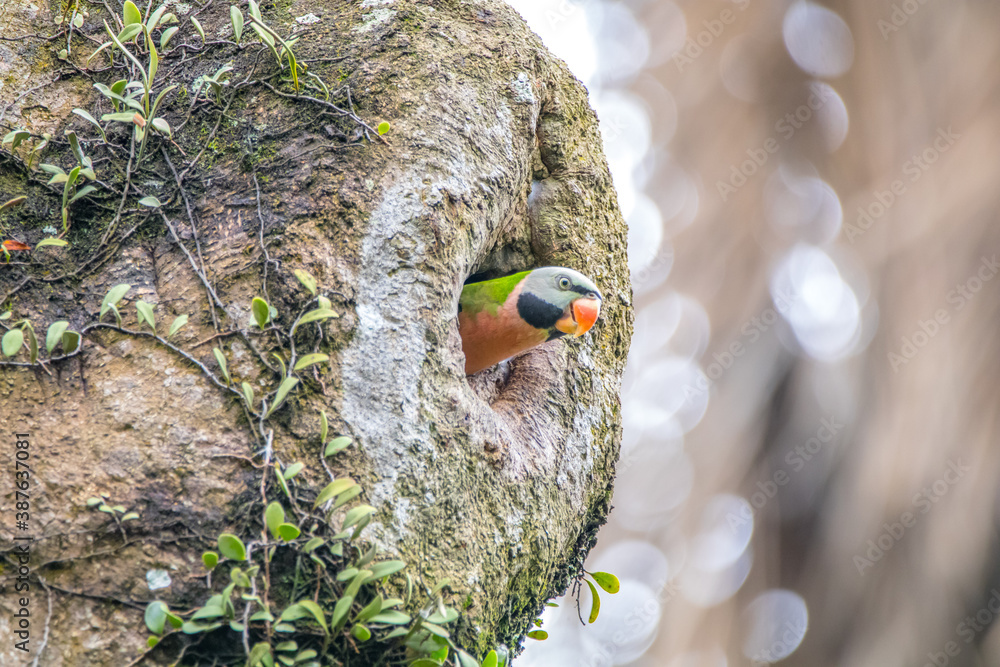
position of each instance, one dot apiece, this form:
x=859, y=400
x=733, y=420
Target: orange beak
x=581, y=317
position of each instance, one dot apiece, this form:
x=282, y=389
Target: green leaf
x=152, y=641
x=347, y=496
x=356, y=514
x=317, y=314
x=208, y=611
x=82, y=192
x=52, y=169
x=145, y=311
x=337, y=444
x=32, y=344
x=260, y=656
x=156, y=104
x=232, y=547
x=334, y=488
x=12, y=342
x=255, y=10
x=347, y=574
x=154, y=18
x=281, y=362
x=52, y=241
x=175, y=326
x=190, y=628
x=466, y=660
x=491, y=659
x=313, y=544
x=340, y=611
x=70, y=342
x=129, y=31
x=361, y=633
x=237, y=18
x=288, y=532
x=151, y=202
x=315, y=610
x=448, y=615
x=90, y=119
x=274, y=516
x=112, y=298
x=425, y=662
x=391, y=617
x=310, y=360
x=210, y=559
x=539, y=635
x=307, y=280
x=389, y=567
x=247, y=394
x=6, y=315
x=131, y=13
x=54, y=335
x=261, y=311
x=15, y=137
x=197, y=26
x=293, y=470
x=166, y=35
x=435, y=629
x=74, y=143
x=16, y=201
x=595, y=605
x=162, y=126
x=121, y=117
x=383, y=127
x=156, y=616
x=607, y=581
x=373, y=607
x=324, y=426
x=286, y=386
x=221, y=358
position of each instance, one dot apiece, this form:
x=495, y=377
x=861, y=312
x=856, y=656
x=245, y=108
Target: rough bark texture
x=498, y=482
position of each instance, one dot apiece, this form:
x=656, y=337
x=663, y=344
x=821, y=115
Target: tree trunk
x=492, y=164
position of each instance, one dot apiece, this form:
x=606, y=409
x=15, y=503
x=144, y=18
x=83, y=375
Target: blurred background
x=809, y=471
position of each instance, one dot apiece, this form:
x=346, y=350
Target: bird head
x=575, y=295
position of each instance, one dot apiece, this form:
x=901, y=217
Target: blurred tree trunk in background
x=914, y=413
x=498, y=483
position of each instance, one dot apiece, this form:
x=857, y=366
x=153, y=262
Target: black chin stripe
x=537, y=312
x=555, y=333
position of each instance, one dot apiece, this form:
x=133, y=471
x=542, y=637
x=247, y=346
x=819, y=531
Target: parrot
x=500, y=318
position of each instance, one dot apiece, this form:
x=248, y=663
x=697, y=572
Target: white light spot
x=818, y=40
x=802, y=208
x=726, y=528
x=776, y=623
x=821, y=307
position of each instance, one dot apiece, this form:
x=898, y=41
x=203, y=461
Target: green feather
x=489, y=295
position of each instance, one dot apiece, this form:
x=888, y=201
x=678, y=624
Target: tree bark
x=493, y=164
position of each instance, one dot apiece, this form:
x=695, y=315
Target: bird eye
x=564, y=283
